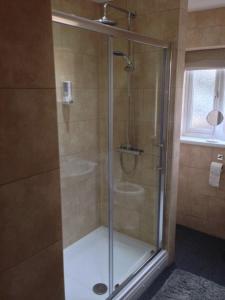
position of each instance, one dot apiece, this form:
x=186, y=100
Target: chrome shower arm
x=123, y=10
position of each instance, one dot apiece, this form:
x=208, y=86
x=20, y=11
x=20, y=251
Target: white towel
x=215, y=172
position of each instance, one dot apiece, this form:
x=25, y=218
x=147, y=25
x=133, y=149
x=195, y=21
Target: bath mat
x=182, y=285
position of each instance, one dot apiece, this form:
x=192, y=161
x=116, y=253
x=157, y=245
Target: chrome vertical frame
x=110, y=160
x=164, y=104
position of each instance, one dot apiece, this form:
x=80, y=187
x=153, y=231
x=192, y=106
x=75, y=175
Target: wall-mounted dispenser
x=67, y=92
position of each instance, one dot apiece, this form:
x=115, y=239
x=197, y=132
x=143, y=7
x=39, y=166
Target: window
x=204, y=92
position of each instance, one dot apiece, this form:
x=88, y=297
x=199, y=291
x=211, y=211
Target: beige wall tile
x=183, y=205
x=85, y=106
x=26, y=48
x=207, y=18
x=146, y=7
x=184, y=154
x=151, y=22
x=200, y=206
x=170, y=33
x=206, y=29
x=83, y=8
x=196, y=157
x=216, y=210
x=67, y=64
x=30, y=217
x=75, y=137
x=199, y=181
x=80, y=206
x=28, y=133
x=40, y=277
x=79, y=40
x=192, y=222
x=127, y=221
x=172, y=4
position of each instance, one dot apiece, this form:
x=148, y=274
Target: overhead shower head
x=106, y=21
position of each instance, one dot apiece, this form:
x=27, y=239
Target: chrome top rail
x=73, y=20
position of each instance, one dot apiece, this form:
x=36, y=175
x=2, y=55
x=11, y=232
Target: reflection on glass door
x=137, y=87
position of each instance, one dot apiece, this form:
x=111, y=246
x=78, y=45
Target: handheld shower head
x=118, y=53
x=129, y=64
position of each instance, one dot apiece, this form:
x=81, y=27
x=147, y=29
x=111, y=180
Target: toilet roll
x=215, y=172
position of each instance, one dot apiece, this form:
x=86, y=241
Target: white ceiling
x=204, y=4
x=195, y=4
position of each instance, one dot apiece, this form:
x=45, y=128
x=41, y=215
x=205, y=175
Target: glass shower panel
x=138, y=78
x=81, y=67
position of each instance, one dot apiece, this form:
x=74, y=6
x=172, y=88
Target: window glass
x=203, y=94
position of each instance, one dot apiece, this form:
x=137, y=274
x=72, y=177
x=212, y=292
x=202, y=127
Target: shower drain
x=100, y=288
x=117, y=286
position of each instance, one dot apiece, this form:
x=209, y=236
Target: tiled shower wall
x=200, y=206
x=77, y=54
x=30, y=211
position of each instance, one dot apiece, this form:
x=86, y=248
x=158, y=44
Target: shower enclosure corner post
x=165, y=100
x=165, y=103
x=110, y=159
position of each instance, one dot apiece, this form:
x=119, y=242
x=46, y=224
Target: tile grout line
x=28, y=177
x=27, y=88
x=32, y=256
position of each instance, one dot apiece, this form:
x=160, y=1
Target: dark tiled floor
x=197, y=253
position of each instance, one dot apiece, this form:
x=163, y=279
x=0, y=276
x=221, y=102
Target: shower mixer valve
x=130, y=150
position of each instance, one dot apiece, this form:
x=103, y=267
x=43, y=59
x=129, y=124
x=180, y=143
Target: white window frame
x=187, y=130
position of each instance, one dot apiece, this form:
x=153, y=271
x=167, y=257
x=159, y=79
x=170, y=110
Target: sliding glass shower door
x=110, y=100
x=137, y=157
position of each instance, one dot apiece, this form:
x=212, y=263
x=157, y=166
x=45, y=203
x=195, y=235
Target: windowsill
x=202, y=142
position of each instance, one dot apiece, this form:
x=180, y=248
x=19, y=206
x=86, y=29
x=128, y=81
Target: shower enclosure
x=112, y=94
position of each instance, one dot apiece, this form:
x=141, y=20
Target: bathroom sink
x=71, y=167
